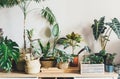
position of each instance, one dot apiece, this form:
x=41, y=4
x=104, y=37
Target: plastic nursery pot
x=74, y=63
x=109, y=68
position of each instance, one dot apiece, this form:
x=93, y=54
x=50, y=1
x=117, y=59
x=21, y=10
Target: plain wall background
x=72, y=15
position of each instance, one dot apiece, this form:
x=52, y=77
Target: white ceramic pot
x=32, y=66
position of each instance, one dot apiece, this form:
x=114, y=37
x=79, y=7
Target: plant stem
x=108, y=38
x=72, y=46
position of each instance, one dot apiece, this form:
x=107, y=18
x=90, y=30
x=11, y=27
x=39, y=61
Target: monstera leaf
x=9, y=51
x=98, y=27
x=115, y=25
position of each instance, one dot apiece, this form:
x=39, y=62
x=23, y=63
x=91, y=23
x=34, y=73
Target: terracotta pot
x=63, y=65
x=32, y=66
x=74, y=63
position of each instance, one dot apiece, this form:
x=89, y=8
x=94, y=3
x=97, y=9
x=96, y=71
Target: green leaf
x=98, y=27
x=115, y=25
x=55, y=30
x=9, y=51
x=47, y=14
x=9, y=3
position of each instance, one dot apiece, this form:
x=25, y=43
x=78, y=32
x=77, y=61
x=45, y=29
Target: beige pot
x=32, y=66
x=63, y=65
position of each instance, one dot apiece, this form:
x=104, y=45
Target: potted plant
x=72, y=40
x=102, y=31
x=109, y=62
x=92, y=63
x=9, y=53
x=63, y=59
x=24, y=5
x=47, y=60
x=32, y=58
x=49, y=50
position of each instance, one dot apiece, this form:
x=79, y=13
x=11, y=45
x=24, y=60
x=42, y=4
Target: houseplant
x=109, y=62
x=9, y=52
x=24, y=5
x=63, y=59
x=92, y=63
x=102, y=30
x=32, y=58
x=49, y=50
x=72, y=40
x=46, y=59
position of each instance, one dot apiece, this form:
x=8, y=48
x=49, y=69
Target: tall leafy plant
x=9, y=52
x=24, y=5
x=102, y=30
x=48, y=14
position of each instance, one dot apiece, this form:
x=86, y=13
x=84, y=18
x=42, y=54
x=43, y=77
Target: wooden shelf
x=55, y=74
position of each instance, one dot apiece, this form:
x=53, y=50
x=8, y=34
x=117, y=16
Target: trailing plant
x=9, y=51
x=102, y=30
x=72, y=40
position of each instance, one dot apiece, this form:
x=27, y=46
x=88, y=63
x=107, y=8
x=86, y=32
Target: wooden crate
x=91, y=68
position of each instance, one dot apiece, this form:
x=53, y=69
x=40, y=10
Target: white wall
x=72, y=15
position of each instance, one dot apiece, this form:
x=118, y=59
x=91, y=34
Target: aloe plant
x=9, y=52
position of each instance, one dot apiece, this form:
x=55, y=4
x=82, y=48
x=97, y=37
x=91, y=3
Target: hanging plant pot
x=32, y=66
